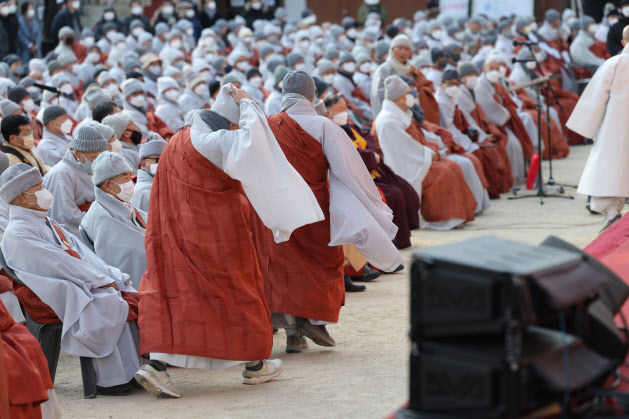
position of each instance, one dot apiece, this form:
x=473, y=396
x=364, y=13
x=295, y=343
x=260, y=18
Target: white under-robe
x=94, y=318
x=142, y=190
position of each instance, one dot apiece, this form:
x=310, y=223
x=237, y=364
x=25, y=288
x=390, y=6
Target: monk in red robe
x=202, y=299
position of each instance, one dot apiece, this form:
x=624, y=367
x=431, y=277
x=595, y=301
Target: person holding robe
x=446, y=200
x=398, y=193
x=128, y=133
x=70, y=180
x=19, y=142
x=202, y=299
x=114, y=227
x=55, y=139
x=600, y=115
x=28, y=383
x=303, y=301
x=65, y=281
x=150, y=153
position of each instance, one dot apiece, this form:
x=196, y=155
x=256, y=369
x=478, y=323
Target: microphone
x=528, y=60
x=525, y=43
x=53, y=89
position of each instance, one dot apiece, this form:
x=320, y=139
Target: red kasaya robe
x=302, y=276
x=493, y=164
x=514, y=123
x=400, y=196
x=426, y=93
x=156, y=124
x=25, y=367
x=203, y=292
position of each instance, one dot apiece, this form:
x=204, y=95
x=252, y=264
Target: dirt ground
x=365, y=375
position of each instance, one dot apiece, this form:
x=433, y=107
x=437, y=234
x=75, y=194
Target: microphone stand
x=551, y=180
x=541, y=194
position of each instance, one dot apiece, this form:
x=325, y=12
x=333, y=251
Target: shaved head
x=625, y=35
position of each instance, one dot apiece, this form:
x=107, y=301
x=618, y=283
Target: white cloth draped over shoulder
x=94, y=318
x=357, y=214
x=601, y=114
x=252, y=156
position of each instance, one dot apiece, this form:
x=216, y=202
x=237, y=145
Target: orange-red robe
x=302, y=276
x=203, y=293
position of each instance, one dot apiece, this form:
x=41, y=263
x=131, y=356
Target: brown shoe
x=317, y=334
x=296, y=343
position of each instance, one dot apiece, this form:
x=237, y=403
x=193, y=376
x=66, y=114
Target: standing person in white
x=601, y=114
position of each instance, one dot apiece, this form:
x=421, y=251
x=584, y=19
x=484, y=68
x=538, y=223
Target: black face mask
x=136, y=137
x=69, y=40
x=442, y=63
x=456, y=57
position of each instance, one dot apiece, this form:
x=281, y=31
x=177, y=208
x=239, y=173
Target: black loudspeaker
x=500, y=328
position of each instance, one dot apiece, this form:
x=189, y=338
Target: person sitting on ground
x=149, y=159
x=114, y=227
x=64, y=280
x=129, y=135
x=19, y=142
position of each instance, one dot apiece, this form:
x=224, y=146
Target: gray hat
x=227, y=78
x=105, y=130
x=381, y=48
x=331, y=53
x=450, y=75
x=161, y=28
x=586, y=21
x=165, y=83
x=8, y=107
x=18, y=179
x=467, y=68
x=420, y=62
x=323, y=66
x=521, y=21
x=402, y=40
x=107, y=166
x=88, y=138
x=345, y=57
x=66, y=57
x=395, y=87
x=4, y=162
x=551, y=15
x=52, y=112
x=66, y=30
x=119, y=122
x=361, y=58
x=53, y=65
x=152, y=147
x=265, y=49
x=131, y=86
x=95, y=96
x=279, y=73
x=300, y=82
x=292, y=58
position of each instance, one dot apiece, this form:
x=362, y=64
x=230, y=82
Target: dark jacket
x=127, y=22
x=614, y=37
x=208, y=21
x=25, y=40
x=64, y=18
x=4, y=41
x=99, y=27
x=10, y=26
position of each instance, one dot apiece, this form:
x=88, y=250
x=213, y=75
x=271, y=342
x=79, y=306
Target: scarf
x=398, y=66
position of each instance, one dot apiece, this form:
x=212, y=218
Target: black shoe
x=318, y=334
x=351, y=287
x=275, y=329
x=610, y=222
x=369, y=274
x=398, y=269
x=119, y=390
x=134, y=384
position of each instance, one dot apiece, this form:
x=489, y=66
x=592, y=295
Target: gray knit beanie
x=466, y=69
x=154, y=146
x=119, y=122
x=66, y=30
x=8, y=107
x=292, y=58
x=280, y=72
x=107, y=166
x=131, y=86
x=89, y=138
x=17, y=179
x=300, y=82
x=345, y=57
x=323, y=66
x=52, y=112
x=551, y=15
x=395, y=87
x=4, y=162
x=105, y=130
x=66, y=57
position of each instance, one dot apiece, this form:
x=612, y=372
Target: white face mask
x=471, y=82
x=190, y=31
x=76, y=4
x=209, y=58
x=493, y=76
x=352, y=33
x=531, y=65
x=612, y=21
x=533, y=27
x=341, y=118
x=155, y=69
x=625, y=11
x=76, y=68
x=171, y=94
x=502, y=71
x=88, y=41
x=109, y=35
x=452, y=91
x=410, y=100
x=211, y=5
x=44, y=199
x=592, y=29
x=138, y=101
x=304, y=44
x=109, y=16
x=372, y=2
x=154, y=168
x=176, y=43
x=437, y=34
x=30, y=14
x=256, y=6
x=93, y=57
x=67, y=89
x=167, y=10
x=113, y=88
x=201, y=89
x=300, y=66
x=349, y=66
x=136, y=10
x=121, y=45
x=28, y=105
x=126, y=191
x=256, y=81
x=485, y=49
x=116, y=146
x=328, y=78
x=137, y=31
x=243, y=66
x=365, y=67
x=66, y=127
